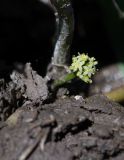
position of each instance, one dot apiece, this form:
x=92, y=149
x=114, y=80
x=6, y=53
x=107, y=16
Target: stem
x=63, y=80
x=120, y=12
x=64, y=31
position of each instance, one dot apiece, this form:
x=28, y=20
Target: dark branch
x=120, y=12
x=64, y=31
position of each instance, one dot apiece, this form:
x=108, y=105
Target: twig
x=50, y=122
x=120, y=12
x=31, y=148
x=41, y=138
x=44, y=138
x=64, y=31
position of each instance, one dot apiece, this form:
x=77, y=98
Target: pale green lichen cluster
x=84, y=67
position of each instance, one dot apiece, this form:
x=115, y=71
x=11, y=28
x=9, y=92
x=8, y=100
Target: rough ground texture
x=70, y=128
x=26, y=87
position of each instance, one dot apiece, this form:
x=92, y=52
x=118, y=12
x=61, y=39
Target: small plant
x=82, y=67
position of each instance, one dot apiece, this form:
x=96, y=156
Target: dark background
x=27, y=28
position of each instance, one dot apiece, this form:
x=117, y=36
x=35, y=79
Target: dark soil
x=36, y=123
x=67, y=128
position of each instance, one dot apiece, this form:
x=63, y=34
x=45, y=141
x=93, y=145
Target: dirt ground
x=34, y=127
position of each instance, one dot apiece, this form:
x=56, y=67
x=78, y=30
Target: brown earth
x=35, y=127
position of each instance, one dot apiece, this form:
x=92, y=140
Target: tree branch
x=120, y=12
x=64, y=31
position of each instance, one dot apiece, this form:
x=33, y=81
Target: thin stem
x=63, y=80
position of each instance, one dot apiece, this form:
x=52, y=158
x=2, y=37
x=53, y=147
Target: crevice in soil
x=73, y=129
